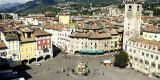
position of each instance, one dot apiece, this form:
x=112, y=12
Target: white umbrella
x=107, y=61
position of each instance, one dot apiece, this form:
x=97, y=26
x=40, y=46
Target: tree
x=8, y=16
x=121, y=59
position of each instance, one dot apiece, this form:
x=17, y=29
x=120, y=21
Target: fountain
x=81, y=68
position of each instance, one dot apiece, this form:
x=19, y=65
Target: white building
x=30, y=21
x=143, y=49
x=11, y=39
x=94, y=39
x=60, y=37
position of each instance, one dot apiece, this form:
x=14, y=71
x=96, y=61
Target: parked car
x=38, y=64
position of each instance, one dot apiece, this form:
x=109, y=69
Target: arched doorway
x=32, y=60
x=25, y=61
x=47, y=57
x=76, y=52
x=40, y=58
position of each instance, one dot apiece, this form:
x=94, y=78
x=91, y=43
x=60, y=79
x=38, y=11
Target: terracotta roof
x=11, y=37
x=26, y=29
x=152, y=29
x=147, y=42
x=112, y=31
x=149, y=17
x=11, y=34
x=57, y=27
x=9, y=30
x=92, y=26
x=38, y=32
x=90, y=35
x=2, y=29
x=120, y=30
x=80, y=34
x=23, y=40
x=99, y=35
x=2, y=45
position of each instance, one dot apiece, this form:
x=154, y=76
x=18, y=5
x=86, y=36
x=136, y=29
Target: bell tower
x=132, y=20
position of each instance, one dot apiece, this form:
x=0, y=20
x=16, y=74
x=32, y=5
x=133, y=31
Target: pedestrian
x=63, y=70
x=67, y=74
x=57, y=72
x=103, y=73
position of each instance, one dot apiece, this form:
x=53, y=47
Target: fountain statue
x=81, y=68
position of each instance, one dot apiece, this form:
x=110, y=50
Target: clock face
x=129, y=15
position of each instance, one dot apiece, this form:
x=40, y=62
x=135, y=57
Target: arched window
x=130, y=8
x=131, y=57
x=95, y=45
x=153, y=64
x=146, y=62
x=159, y=66
x=136, y=59
x=141, y=61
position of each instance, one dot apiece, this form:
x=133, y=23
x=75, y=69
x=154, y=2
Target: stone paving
x=52, y=70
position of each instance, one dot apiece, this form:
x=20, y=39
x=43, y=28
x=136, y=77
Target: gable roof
x=38, y=32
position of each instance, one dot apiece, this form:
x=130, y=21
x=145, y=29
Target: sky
x=13, y=1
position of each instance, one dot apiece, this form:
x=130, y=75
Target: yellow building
x=28, y=50
x=64, y=19
x=27, y=46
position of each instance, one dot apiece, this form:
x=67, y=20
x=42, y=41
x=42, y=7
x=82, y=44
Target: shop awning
x=91, y=51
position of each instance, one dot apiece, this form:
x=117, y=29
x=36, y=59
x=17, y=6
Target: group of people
x=63, y=70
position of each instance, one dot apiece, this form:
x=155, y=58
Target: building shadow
x=56, y=50
x=22, y=71
x=15, y=66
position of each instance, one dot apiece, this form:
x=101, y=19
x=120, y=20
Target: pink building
x=44, y=44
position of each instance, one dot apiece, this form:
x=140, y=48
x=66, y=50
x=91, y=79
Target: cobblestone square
x=52, y=70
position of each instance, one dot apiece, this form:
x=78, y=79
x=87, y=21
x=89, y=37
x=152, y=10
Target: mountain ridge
x=43, y=6
x=9, y=5
x=35, y=4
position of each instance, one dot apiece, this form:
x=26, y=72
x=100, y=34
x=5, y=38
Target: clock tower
x=132, y=20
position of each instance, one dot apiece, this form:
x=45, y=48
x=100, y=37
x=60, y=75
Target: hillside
x=37, y=6
x=9, y=5
x=153, y=5
x=53, y=7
